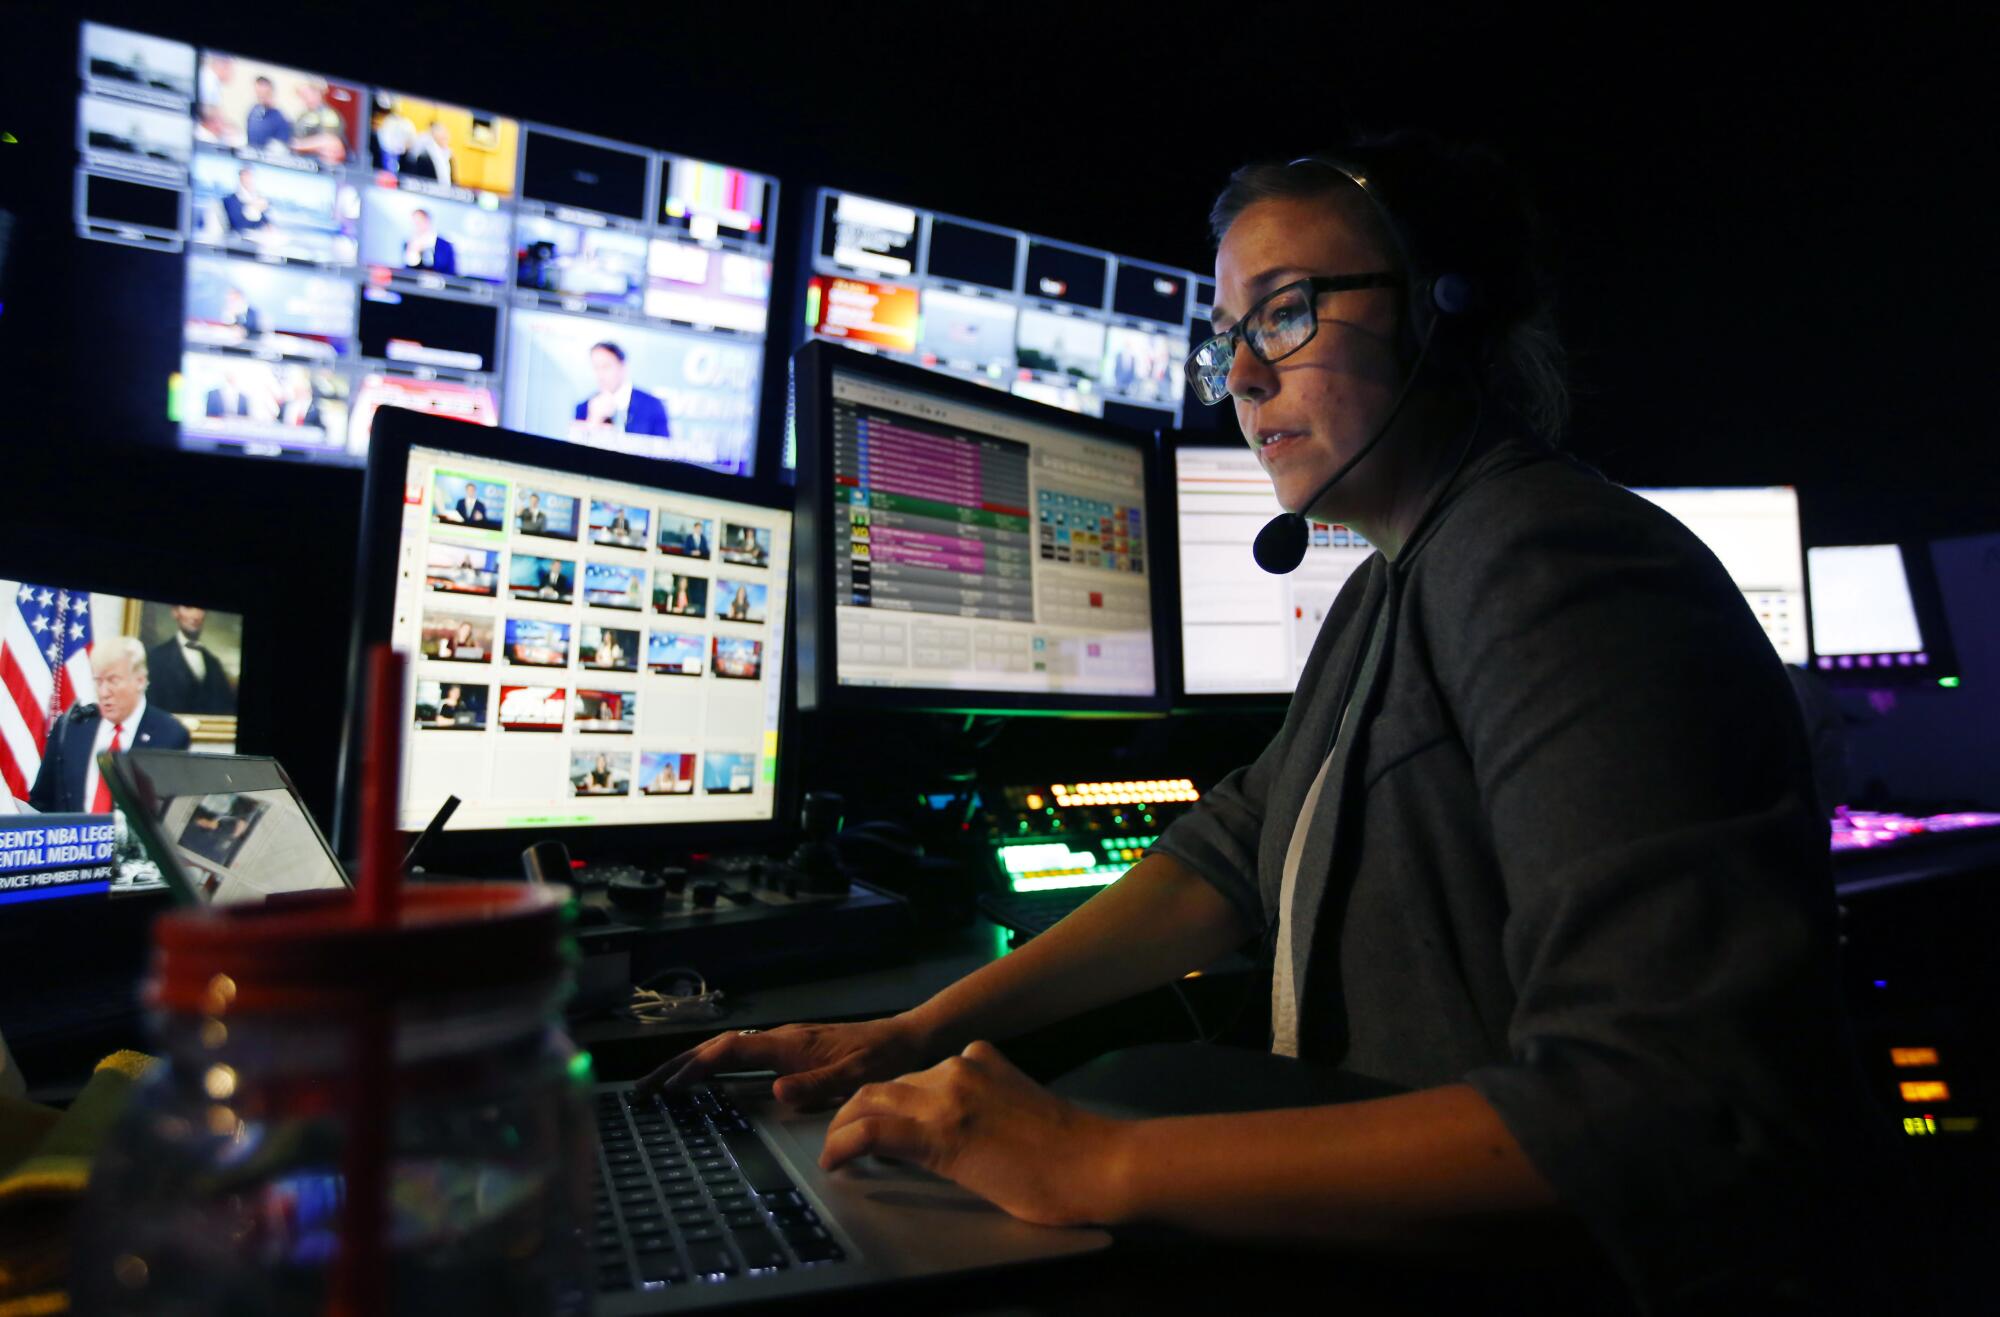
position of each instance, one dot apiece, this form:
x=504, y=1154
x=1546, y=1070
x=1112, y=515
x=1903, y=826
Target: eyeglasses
x=1276, y=327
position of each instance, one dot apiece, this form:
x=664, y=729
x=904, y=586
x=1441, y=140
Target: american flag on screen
x=45, y=668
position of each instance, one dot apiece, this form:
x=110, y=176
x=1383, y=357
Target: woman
x=599, y=777
x=1535, y=842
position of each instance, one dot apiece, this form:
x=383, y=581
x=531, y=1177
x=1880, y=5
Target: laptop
x=703, y=1199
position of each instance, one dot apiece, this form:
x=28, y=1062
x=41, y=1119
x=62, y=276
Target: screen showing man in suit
x=187, y=676
x=618, y=404
x=67, y=780
x=426, y=248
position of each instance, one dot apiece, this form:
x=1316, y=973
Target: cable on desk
x=649, y=1006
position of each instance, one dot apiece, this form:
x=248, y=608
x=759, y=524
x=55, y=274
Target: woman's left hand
x=976, y=1120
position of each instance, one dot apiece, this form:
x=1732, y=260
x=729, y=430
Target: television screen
x=595, y=176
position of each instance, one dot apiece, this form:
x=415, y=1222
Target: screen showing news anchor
x=614, y=585
x=600, y=772
x=680, y=596
x=740, y=601
x=462, y=569
x=675, y=653
x=453, y=637
x=261, y=404
x=549, y=580
x=287, y=309
x=610, y=649
x=462, y=500
x=451, y=706
x=534, y=643
x=619, y=525
x=277, y=112
x=746, y=546
x=441, y=149
x=267, y=210
x=607, y=711
x=664, y=773
x=547, y=513
x=89, y=672
x=684, y=396
x=414, y=234
x=686, y=537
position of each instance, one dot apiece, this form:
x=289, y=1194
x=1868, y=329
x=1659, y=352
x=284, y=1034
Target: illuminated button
x=1925, y=1090
x=1034, y=801
x=1913, y=1056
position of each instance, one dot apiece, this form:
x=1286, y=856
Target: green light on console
x=1949, y=683
x=1041, y=857
x=1059, y=880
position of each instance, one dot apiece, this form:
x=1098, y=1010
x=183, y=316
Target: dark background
x=1774, y=250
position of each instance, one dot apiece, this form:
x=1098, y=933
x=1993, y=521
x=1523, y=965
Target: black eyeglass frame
x=1319, y=284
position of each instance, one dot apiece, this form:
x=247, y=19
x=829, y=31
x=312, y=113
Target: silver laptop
x=703, y=1199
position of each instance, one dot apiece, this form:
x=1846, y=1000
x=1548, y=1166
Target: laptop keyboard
x=687, y=1192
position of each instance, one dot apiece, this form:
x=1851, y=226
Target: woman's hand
x=976, y=1120
x=816, y=1063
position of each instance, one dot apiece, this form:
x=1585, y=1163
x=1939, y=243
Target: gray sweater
x=1569, y=855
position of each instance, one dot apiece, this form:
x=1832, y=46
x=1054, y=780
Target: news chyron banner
x=48, y=855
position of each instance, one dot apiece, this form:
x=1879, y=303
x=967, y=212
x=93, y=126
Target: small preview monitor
x=582, y=627
x=971, y=550
x=1876, y=617
x=1245, y=632
x=1755, y=534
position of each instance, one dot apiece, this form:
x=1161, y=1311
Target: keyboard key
x=662, y=1268
x=823, y=1250
x=743, y=1220
x=760, y=1250
x=647, y=1244
x=734, y=1203
x=644, y=1211
x=681, y=1202
x=701, y=1234
x=694, y=1216
x=648, y=1229
x=711, y=1260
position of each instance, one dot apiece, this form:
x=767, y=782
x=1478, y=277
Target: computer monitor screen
x=585, y=650
x=1755, y=533
x=83, y=667
x=1088, y=331
x=974, y=550
x=1862, y=606
x=1243, y=630
x=344, y=248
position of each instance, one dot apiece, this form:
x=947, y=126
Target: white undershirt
x=196, y=660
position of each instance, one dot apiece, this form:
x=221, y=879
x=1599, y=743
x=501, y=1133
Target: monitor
x=340, y=248
x=76, y=647
x=1088, y=331
x=1755, y=533
x=969, y=550
x=1876, y=617
x=595, y=641
x=1243, y=631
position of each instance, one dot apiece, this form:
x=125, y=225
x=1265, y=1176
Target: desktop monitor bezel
x=486, y=851
x=816, y=635
x=1172, y=443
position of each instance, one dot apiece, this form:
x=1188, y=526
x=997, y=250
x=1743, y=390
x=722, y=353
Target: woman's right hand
x=817, y=1064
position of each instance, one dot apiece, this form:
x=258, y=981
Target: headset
x=1445, y=295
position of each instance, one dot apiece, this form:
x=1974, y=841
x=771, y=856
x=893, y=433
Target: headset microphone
x=1281, y=546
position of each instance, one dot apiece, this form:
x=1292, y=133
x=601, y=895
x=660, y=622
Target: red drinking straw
x=361, y=1277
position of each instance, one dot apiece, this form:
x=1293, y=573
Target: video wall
x=349, y=247
x=1085, y=330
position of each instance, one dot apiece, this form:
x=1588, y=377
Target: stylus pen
x=431, y=829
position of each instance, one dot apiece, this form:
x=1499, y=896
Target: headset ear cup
x=1451, y=294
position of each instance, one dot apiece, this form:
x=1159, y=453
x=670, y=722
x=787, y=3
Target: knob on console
x=675, y=879
x=638, y=893
x=820, y=816
x=702, y=895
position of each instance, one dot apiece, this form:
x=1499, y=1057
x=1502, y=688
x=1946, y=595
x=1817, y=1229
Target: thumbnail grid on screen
x=586, y=652
x=349, y=247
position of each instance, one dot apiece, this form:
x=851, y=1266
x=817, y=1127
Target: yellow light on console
x=1925, y=1090
x=1913, y=1056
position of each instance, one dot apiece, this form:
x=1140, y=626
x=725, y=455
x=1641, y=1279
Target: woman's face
x=1312, y=411
x=603, y=764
